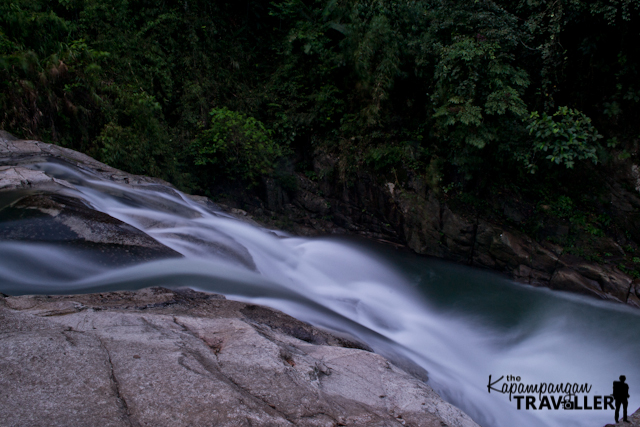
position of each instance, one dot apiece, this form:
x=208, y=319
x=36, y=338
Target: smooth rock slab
x=158, y=357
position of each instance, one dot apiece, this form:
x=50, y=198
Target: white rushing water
x=459, y=324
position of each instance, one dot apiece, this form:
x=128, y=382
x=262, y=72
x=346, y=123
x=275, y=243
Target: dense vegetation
x=470, y=95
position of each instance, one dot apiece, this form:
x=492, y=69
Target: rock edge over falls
x=162, y=357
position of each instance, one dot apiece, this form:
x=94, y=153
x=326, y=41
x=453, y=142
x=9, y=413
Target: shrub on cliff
x=235, y=146
x=563, y=138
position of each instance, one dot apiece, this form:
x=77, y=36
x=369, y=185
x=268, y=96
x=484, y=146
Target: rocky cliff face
x=181, y=358
x=476, y=241
x=412, y=216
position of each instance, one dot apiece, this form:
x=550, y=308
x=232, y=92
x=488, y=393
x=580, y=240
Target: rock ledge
x=160, y=357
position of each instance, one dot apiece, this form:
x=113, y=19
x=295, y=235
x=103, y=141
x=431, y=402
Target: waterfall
x=457, y=324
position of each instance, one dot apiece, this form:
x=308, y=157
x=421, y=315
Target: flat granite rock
x=160, y=357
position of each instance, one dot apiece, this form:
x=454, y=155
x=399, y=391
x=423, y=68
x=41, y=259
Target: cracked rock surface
x=160, y=357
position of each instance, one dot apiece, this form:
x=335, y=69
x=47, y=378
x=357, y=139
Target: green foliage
x=563, y=207
x=438, y=89
x=477, y=89
x=564, y=137
x=386, y=157
x=593, y=230
x=48, y=79
x=235, y=146
x=135, y=138
x=128, y=82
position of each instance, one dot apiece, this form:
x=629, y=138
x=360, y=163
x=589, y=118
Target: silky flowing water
x=459, y=324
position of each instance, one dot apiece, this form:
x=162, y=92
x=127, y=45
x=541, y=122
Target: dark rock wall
x=413, y=216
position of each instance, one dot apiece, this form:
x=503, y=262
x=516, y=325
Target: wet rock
x=312, y=203
x=433, y=229
x=421, y=222
x=613, y=283
x=634, y=294
x=459, y=235
x=275, y=195
x=184, y=358
x=67, y=221
x=35, y=206
x=566, y=279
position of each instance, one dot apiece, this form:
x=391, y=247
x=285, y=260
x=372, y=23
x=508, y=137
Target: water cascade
x=457, y=324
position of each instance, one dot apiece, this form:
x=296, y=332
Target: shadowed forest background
x=530, y=100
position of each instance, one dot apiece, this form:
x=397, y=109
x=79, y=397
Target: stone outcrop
x=68, y=221
x=17, y=154
x=162, y=357
x=481, y=243
x=634, y=420
x=434, y=229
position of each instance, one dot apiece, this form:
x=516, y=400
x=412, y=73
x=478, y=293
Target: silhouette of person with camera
x=621, y=396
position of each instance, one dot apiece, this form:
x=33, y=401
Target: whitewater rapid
x=458, y=324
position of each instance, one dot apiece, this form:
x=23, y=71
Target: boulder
x=23, y=153
x=67, y=221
